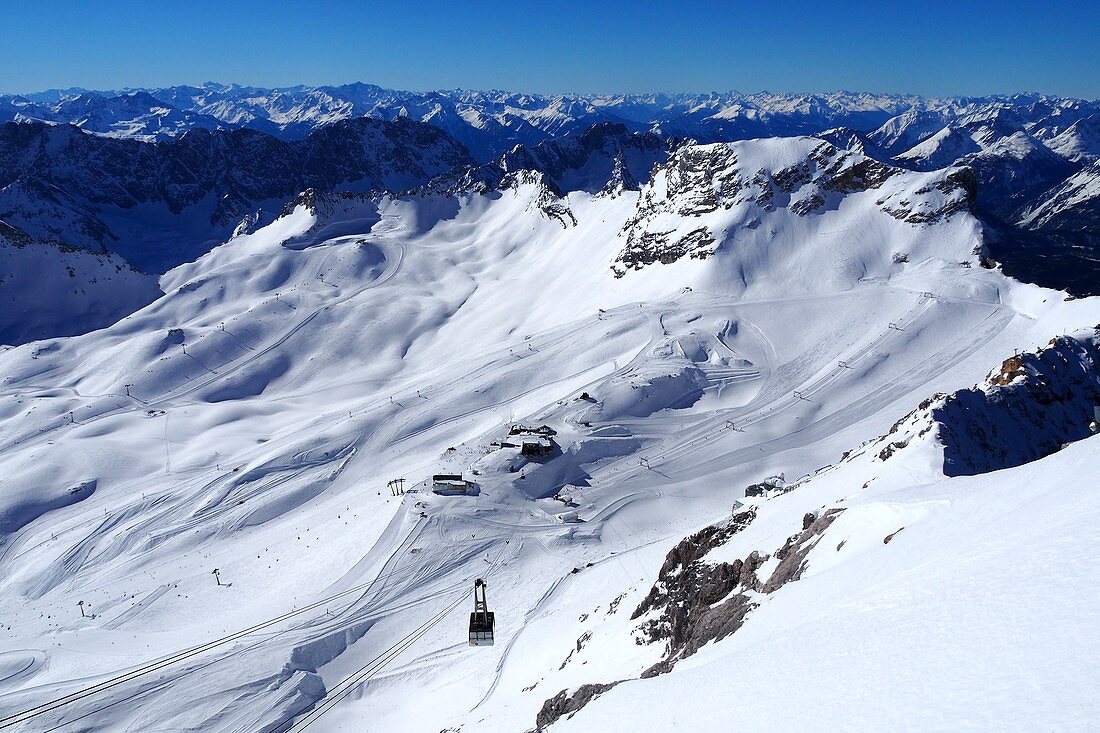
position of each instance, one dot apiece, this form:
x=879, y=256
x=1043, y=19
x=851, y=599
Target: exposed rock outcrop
x=800, y=175
x=565, y=704
x=58, y=182
x=1027, y=408
x=697, y=602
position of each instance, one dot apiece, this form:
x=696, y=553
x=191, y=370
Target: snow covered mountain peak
x=738, y=197
x=487, y=122
x=1023, y=148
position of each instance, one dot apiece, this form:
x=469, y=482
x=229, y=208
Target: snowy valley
x=807, y=457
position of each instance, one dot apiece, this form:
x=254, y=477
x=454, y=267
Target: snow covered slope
x=1080, y=142
x=909, y=613
x=48, y=289
x=197, y=531
x=1073, y=205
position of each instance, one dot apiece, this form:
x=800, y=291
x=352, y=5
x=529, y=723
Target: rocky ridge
x=1032, y=405
x=700, y=180
x=160, y=204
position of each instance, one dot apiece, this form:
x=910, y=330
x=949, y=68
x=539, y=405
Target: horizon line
x=210, y=84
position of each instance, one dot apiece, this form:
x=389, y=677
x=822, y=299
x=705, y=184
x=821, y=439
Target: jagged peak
x=754, y=179
x=621, y=179
x=594, y=161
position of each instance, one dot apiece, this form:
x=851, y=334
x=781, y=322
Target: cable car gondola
x=482, y=620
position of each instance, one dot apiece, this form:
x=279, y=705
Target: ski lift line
x=382, y=660
x=141, y=692
x=379, y=662
x=369, y=670
x=184, y=487
x=147, y=690
x=160, y=664
x=684, y=447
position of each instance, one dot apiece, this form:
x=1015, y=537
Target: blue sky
x=929, y=48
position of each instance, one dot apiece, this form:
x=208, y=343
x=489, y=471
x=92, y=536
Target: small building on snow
x=534, y=446
x=450, y=484
x=532, y=442
x=767, y=488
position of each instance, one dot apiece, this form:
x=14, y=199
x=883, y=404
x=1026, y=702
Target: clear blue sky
x=931, y=48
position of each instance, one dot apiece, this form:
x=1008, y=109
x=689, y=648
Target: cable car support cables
x=371, y=668
x=160, y=664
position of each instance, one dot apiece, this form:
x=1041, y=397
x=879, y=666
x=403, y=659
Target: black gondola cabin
x=482, y=620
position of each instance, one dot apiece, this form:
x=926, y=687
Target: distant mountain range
x=1025, y=147
x=491, y=122
x=154, y=178
x=487, y=123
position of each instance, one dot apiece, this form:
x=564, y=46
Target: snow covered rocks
x=710, y=197
x=1030, y=407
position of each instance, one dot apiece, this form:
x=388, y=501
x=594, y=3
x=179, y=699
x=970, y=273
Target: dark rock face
x=697, y=180
x=1051, y=259
x=1072, y=206
x=687, y=590
x=622, y=179
x=1010, y=182
x=961, y=182
x=58, y=182
x=1029, y=407
x=699, y=602
x=808, y=205
x=841, y=174
x=605, y=158
x=588, y=162
x=550, y=203
x=1036, y=403
x=564, y=704
x=792, y=556
x=649, y=247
